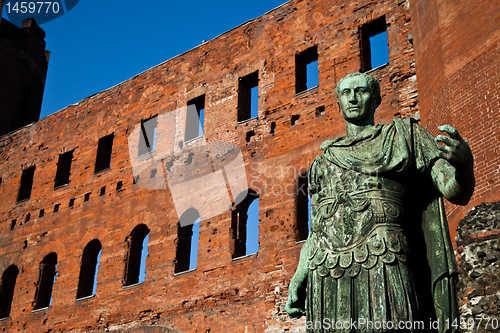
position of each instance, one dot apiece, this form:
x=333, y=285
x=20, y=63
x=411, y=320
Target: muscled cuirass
x=357, y=219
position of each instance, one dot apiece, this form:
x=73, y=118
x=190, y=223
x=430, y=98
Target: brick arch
x=98, y=233
x=143, y=217
x=11, y=259
x=55, y=246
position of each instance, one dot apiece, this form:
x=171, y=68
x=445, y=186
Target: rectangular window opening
x=195, y=116
x=374, y=44
x=248, y=97
x=306, y=70
x=147, y=138
x=26, y=184
x=104, y=150
x=63, y=169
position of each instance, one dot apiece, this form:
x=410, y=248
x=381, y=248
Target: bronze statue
x=378, y=257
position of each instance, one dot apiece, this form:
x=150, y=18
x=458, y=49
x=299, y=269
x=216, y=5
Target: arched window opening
x=43, y=295
x=9, y=277
x=245, y=225
x=138, y=252
x=303, y=209
x=88, y=270
x=187, y=241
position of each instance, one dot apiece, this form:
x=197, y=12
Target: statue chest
x=349, y=205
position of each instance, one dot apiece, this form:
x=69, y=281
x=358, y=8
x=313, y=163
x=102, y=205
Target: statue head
x=358, y=95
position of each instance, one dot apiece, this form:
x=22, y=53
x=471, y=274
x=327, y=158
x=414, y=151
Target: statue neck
x=353, y=129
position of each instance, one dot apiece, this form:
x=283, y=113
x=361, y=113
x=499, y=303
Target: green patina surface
x=379, y=248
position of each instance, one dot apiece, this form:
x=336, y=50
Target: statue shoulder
x=408, y=124
x=326, y=144
x=412, y=131
x=318, y=160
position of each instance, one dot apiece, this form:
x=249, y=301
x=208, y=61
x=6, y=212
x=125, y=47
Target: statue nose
x=353, y=99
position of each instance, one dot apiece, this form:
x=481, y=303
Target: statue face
x=355, y=100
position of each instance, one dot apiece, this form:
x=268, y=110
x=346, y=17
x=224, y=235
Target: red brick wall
x=457, y=47
x=221, y=295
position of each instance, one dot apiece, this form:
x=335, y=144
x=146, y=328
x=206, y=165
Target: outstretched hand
x=456, y=151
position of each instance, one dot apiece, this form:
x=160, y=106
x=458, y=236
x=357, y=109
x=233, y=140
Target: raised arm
x=453, y=173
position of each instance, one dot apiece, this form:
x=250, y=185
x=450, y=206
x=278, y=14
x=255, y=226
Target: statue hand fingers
x=452, y=131
x=446, y=140
x=445, y=149
x=452, y=155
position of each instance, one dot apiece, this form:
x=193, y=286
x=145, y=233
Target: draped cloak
x=379, y=246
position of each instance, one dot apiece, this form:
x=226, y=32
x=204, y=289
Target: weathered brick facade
x=222, y=294
x=457, y=48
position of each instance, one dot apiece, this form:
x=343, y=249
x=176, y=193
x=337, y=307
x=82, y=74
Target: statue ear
x=377, y=101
